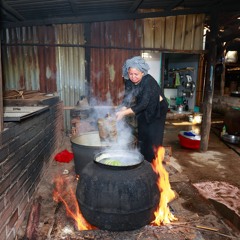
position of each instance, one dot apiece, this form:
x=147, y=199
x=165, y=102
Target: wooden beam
x=175, y=4
x=9, y=17
x=106, y=47
x=10, y=11
x=135, y=6
x=73, y=5
x=1, y=93
x=131, y=14
x=209, y=84
x=104, y=17
x=87, y=32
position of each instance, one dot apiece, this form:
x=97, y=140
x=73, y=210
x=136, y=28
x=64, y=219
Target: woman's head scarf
x=135, y=62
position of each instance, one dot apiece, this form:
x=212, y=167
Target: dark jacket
x=143, y=98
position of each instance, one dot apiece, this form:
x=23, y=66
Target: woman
x=144, y=98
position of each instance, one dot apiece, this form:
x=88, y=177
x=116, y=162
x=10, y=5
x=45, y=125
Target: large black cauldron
x=118, y=198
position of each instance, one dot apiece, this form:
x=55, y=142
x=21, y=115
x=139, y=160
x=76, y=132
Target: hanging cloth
x=177, y=79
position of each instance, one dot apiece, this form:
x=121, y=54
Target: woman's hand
x=123, y=108
x=121, y=114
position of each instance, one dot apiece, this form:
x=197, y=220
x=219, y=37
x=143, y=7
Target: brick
x=9, y=164
x=14, y=144
x=11, y=192
x=4, y=151
x=37, y=168
x=6, y=213
x=5, y=183
x=17, y=199
x=13, y=219
x=39, y=149
x=16, y=171
x=24, y=138
x=21, y=218
x=1, y=172
x=19, y=129
x=27, y=185
x=23, y=204
x=25, y=161
x=6, y=136
x=32, y=189
x=23, y=178
x=11, y=234
x=1, y=204
x=3, y=233
x=28, y=147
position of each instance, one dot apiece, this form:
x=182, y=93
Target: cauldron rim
x=140, y=158
x=98, y=143
x=80, y=140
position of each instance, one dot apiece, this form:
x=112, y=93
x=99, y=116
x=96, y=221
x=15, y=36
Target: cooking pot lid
x=119, y=158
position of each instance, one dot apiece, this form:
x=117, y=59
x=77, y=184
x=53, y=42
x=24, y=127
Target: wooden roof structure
x=44, y=12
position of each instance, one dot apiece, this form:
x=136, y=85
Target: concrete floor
x=187, y=168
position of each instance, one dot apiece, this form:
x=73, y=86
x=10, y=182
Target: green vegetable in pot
x=112, y=162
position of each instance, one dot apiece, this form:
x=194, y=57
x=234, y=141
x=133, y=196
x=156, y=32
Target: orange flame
x=163, y=214
x=64, y=193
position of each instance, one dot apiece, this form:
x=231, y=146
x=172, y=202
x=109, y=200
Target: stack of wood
x=20, y=94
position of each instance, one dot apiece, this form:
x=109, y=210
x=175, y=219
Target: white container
x=231, y=57
x=180, y=108
x=197, y=119
x=190, y=118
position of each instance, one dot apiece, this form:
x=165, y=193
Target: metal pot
x=231, y=138
x=235, y=94
x=86, y=145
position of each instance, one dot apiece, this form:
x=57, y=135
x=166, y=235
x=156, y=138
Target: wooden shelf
x=191, y=69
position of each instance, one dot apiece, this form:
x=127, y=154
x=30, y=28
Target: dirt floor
x=206, y=185
x=220, y=163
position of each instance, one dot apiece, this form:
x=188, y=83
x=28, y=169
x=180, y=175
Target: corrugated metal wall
x=117, y=42
x=53, y=58
x=71, y=80
x=120, y=40
x=20, y=63
x=48, y=59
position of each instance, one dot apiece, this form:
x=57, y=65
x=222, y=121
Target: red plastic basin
x=188, y=142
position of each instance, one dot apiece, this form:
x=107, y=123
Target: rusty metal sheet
x=113, y=43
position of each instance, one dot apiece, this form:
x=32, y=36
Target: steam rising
x=123, y=131
x=125, y=139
